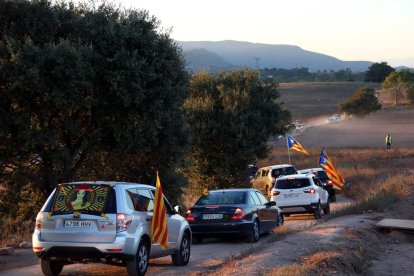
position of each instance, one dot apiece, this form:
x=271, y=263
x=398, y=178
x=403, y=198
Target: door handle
x=148, y=218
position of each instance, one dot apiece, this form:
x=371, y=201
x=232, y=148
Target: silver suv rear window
x=86, y=198
x=292, y=183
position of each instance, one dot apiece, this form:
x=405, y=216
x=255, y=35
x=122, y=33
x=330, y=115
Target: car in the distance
x=326, y=182
x=244, y=213
x=301, y=193
x=105, y=222
x=265, y=177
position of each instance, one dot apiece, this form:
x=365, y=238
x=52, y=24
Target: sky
x=371, y=30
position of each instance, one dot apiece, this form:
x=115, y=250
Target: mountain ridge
x=259, y=55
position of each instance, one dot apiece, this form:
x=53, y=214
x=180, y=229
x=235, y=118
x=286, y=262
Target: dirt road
x=209, y=255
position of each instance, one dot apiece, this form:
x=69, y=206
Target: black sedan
x=233, y=212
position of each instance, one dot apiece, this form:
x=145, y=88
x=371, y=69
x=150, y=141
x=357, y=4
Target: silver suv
x=300, y=193
x=107, y=222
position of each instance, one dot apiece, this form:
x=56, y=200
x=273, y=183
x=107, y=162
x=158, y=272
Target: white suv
x=107, y=222
x=301, y=193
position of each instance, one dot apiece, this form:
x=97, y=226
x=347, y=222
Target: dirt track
x=367, y=132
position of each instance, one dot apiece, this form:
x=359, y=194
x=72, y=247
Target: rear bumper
x=223, y=229
x=121, y=247
x=299, y=209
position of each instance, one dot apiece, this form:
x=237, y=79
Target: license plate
x=78, y=223
x=291, y=195
x=212, y=216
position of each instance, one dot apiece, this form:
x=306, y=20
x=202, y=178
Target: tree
x=232, y=115
x=377, y=72
x=87, y=92
x=361, y=103
x=400, y=83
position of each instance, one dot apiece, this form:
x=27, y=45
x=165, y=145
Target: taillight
x=310, y=191
x=39, y=221
x=189, y=216
x=238, y=214
x=122, y=222
x=275, y=193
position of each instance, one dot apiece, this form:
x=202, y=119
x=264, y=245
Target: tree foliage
x=401, y=83
x=232, y=115
x=362, y=103
x=87, y=92
x=377, y=72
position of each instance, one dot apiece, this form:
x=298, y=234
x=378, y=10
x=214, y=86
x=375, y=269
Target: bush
x=362, y=103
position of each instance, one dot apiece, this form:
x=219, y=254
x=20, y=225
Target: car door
x=269, y=215
x=323, y=194
x=173, y=225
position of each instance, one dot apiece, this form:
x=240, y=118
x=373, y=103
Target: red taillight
x=37, y=249
x=275, y=193
x=115, y=250
x=310, y=191
x=39, y=221
x=238, y=214
x=122, y=222
x=189, y=216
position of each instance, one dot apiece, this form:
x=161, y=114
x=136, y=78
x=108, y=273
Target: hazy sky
x=374, y=30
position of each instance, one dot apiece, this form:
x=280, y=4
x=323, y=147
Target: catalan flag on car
x=333, y=174
x=159, y=230
x=293, y=144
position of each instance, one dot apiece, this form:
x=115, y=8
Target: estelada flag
x=331, y=171
x=293, y=144
x=159, y=230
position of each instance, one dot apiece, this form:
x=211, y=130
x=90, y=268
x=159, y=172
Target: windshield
x=218, y=198
x=85, y=198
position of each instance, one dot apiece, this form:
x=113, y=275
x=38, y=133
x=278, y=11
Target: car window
x=292, y=183
x=228, y=197
x=322, y=175
x=289, y=170
x=262, y=198
x=140, y=200
x=316, y=181
x=167, y=204
x=258, y=174
x=265, y=172
x=254, y=199
x=275, y=173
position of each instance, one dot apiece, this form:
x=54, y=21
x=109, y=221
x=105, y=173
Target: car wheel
x=254, y=234
x=50, y=267
x=280, y=219
x=182, y=256
x=139, y=264
x=317, y=213
x=333, y=198
x=197, y=240
x=327, y=209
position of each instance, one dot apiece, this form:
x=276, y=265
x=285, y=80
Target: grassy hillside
x=312, y=99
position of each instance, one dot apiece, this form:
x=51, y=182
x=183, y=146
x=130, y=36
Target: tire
x=50, y=267
x=182, y=256
x=318, y=212
x=254, y=234
x=197, y=240
x=333, y=198
x=139, y=264
x=280, y=219
x=327, y=209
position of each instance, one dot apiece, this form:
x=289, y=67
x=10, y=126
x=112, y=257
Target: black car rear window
x=292, y=183
x=218, y=198
x=322, y=175
x=85, y=198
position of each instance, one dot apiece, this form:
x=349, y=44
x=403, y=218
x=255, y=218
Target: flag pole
x=287, y=144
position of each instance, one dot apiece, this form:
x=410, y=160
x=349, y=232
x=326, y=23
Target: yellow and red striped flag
x=159, y=230
x=331, y=171
x=293, y=144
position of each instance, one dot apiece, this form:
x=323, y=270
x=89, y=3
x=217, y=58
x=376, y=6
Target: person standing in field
x=388, y=141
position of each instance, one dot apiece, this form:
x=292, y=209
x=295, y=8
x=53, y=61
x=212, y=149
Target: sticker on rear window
x=85, y=198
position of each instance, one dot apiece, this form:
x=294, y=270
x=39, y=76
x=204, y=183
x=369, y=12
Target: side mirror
x=270, y=204
x=178, y=208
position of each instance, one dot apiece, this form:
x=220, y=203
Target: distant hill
x=235, y=54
